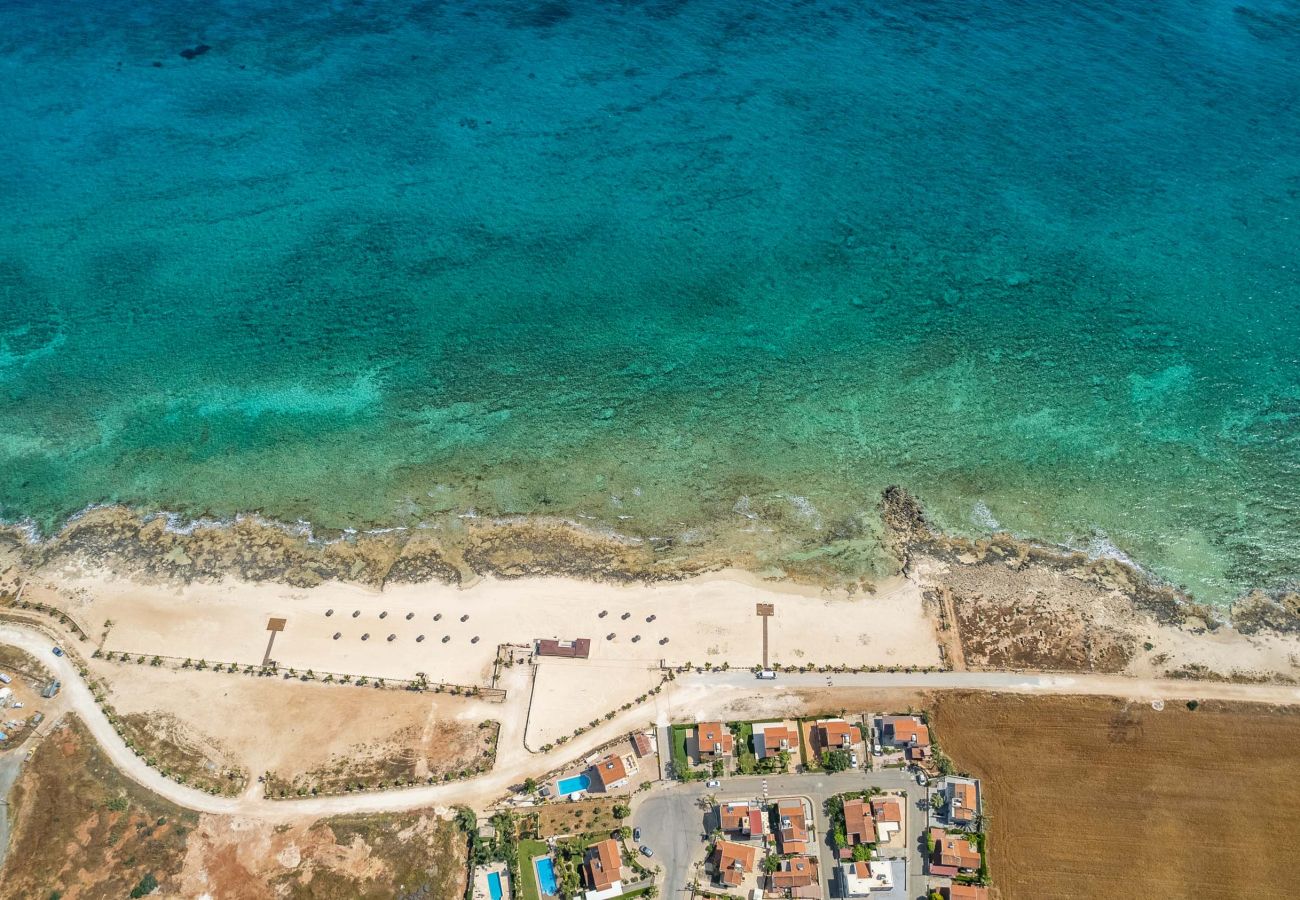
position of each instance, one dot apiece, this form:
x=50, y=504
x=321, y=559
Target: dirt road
x=690, y=696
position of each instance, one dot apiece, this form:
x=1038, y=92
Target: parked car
x=636, y=834
x=713, y=783
x=853, y=759
x=58, y=651
x=646, y=851
x=921, y=779
x=4, y=679
x=875, y=750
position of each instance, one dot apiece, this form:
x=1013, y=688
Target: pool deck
x=540, y=888
x=482, y=891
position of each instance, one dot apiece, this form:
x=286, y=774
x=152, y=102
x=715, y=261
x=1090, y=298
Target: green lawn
x=681, y=762
x=745, y=760
x=528, y=874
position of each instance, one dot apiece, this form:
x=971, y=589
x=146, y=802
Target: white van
x=766, y=675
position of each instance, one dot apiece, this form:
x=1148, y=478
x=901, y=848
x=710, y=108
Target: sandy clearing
x=269, y=724
x=705, y=619
x=570, y=693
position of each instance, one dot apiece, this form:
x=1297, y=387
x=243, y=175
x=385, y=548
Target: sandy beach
x=704, y=620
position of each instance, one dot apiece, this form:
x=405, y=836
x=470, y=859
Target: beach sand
x=708, y=619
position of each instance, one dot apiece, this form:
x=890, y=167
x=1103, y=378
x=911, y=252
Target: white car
x=714, y=783
x=921, y=779
x=853, y=760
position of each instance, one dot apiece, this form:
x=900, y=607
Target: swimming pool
x=546, y=877
x=494, y=885
x=573, y=785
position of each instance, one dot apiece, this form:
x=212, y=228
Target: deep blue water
x=682, y=262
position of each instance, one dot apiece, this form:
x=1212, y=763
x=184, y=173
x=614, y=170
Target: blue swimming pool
x=573, y=785
x=494, y=885
x=546, y=877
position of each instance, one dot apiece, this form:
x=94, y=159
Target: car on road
x=636, y=834
x=921, y=779
x=646, y=851
x=713, y=783
x=58, y=651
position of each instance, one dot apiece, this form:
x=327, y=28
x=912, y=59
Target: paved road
x=688, y=698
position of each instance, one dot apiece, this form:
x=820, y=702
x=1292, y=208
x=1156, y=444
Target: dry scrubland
x=84, y=831
x=1096, y=798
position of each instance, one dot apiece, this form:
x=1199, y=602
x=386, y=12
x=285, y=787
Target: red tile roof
x=906, y=730
x=732, y=860
x=610, y=770
x=641, y=744
x=957, y=851
x=837, y=735
x=887, y=809
x=773, y=739
x=964, y=892
x=713, y=739
x=734, y=816
x=603, y=865
x=798, y=871
x=793, y=834
x=859, y=824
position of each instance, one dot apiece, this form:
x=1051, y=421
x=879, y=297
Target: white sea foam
x=803, y=506
x=982, y=516
x=742, y=508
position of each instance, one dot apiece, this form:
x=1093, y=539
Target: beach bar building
x=575, y=649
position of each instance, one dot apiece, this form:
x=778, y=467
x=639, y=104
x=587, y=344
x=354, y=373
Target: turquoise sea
x=664, y=264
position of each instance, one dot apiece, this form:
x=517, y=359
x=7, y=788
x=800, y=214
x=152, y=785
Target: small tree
x=835, y=760
x=530, y=785
x=771, y=863
x=621, y=810
x=148, y=884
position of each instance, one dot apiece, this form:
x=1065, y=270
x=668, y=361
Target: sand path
x=691, y=696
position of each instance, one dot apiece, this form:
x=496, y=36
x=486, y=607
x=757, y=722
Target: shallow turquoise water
x=370, y=263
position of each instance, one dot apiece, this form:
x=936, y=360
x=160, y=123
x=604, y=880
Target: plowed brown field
x=1096, y=798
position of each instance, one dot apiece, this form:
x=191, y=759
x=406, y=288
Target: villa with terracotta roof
x=798, y=874
x=835, y=734
x=732, y=861
x=859, y=823
x=735, y=817
x=610, y=772
x=770, y=738
x=961, y=796
x=964, y=892
x=953, y=853
x=792, y=827
x=713, y=741
x=908, y=733
x=888, y=815
x=603, y=866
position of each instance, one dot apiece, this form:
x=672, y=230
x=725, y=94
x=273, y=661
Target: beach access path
x=691, y=696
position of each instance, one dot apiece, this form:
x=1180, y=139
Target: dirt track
x=688, y=697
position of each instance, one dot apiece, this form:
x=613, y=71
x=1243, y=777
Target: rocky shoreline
x=151, y=547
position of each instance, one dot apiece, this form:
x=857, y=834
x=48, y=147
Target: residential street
x=674, y=822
